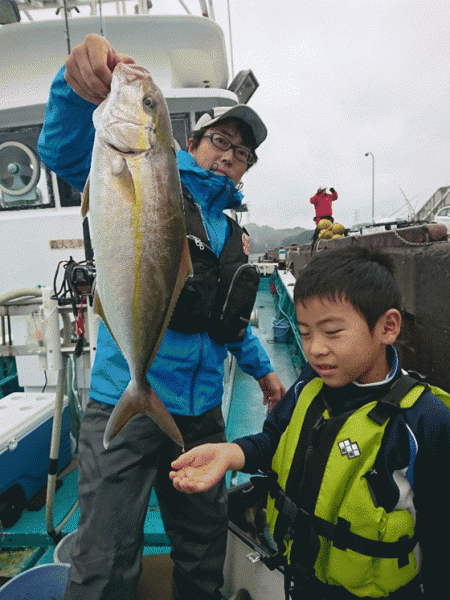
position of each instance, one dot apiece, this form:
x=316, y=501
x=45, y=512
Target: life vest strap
x=340, y=533
x=389, y=405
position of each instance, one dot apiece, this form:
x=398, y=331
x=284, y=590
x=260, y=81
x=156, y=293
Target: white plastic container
x=25, y=433
x=63, y=550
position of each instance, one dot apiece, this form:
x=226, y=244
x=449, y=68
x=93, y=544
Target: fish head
x=134, y=117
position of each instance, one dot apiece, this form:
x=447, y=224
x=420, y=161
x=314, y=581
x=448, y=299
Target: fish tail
x=141, y=400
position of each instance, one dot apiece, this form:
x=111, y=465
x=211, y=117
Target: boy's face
x=338, y=343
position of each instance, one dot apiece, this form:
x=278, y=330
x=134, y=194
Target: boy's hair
x=364, y=277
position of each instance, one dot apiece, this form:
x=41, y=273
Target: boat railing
x=284, y=282
x=437, y=201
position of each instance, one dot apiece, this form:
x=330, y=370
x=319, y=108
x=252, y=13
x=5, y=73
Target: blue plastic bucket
x=45, y=582
x=281, y=330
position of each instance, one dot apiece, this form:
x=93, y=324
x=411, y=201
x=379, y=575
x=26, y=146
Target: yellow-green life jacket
x=360, y=546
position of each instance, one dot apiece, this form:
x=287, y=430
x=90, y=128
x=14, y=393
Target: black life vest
x=220, y=296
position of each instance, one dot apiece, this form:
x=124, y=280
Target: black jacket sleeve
x=432, y=492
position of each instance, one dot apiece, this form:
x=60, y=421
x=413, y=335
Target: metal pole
x=373, y=184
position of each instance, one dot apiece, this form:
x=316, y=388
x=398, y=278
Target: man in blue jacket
x=187, y=373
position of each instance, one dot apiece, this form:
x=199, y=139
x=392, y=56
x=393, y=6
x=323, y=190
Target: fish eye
x=148, y=102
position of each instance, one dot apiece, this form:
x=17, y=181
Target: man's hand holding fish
x=90, y=65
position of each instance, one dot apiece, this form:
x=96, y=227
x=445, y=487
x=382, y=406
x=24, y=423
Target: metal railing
x=437, y=201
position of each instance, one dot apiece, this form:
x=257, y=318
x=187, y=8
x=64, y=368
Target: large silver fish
x=142, y=258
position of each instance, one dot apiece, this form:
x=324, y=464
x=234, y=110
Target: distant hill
x=265, y=238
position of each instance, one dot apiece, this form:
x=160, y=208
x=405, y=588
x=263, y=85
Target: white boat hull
x=244, y=569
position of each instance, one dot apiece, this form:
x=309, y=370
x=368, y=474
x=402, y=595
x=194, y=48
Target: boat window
x=181, y=128
x=25, y=182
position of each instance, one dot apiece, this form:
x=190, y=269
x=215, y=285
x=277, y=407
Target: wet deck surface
x=247, y=412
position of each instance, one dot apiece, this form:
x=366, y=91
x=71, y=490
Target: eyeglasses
x=221, y=142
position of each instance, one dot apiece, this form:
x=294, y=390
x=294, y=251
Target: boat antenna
x=101, y=17
x=185, y=7
x=67, y=26
x=211, y=11
x=231, y=40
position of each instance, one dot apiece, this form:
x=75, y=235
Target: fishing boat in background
x=46, y=281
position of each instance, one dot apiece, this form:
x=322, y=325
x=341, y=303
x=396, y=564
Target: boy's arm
x=202, y=467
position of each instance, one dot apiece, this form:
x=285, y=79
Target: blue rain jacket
x=187, y=372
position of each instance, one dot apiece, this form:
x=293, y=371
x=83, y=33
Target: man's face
x=338, y=343
x=206, y=155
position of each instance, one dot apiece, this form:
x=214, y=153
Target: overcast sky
x=339, y=78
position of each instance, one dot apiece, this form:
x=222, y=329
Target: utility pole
x=373, y=185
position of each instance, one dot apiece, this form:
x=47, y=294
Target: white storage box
x=25, y=433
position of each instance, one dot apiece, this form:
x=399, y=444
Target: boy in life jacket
x=359, y=499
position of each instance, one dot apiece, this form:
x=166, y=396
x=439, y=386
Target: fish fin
x=141, y=400
x=85, y=202
x=98, y=309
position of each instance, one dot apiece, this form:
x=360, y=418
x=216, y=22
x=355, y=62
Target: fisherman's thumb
x=125, y=58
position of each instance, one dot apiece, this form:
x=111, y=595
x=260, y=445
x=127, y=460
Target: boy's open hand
x=202, y=467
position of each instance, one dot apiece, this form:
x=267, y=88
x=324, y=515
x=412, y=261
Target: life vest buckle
x=341, y=534
x=290, y=512
x=286, y=507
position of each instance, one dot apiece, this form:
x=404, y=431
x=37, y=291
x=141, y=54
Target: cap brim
x=239, y=111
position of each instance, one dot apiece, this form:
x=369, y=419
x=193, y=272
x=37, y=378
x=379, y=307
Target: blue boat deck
x=246, y=415
x=247, y=412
